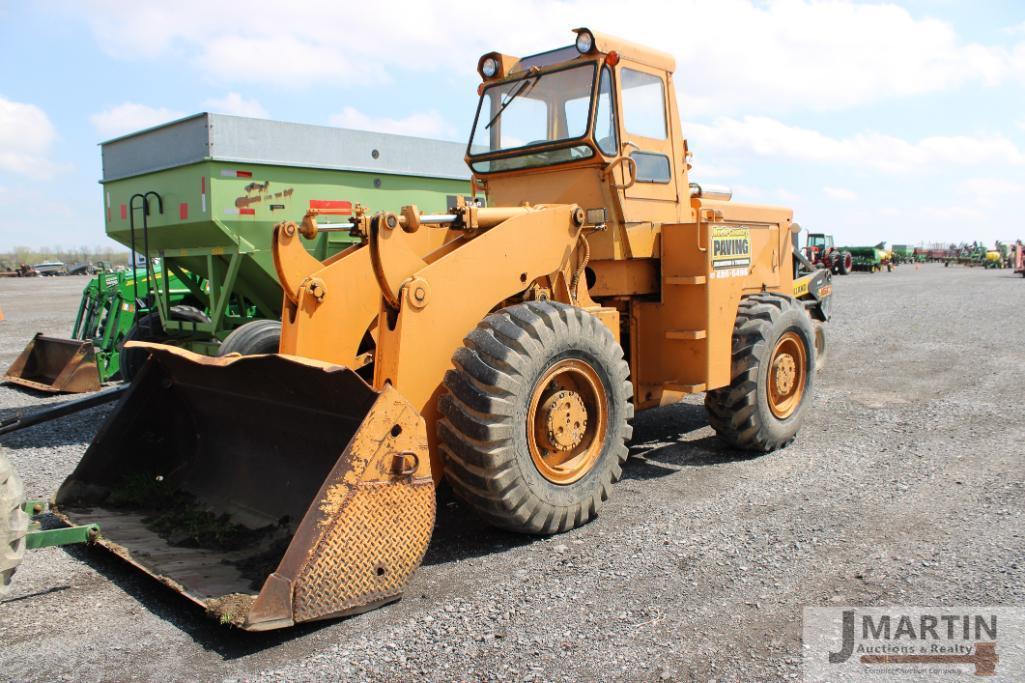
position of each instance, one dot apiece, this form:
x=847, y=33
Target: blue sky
x=874, y=121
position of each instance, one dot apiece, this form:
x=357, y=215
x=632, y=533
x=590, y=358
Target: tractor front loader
x=504, y=349
x=111, y=306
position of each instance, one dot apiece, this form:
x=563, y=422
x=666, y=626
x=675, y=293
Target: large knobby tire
x=773, y=375
x=535, y=418
x=845, y=263
x=255, y=337
x=148, y=328
x=821, y=345
x=13, y=523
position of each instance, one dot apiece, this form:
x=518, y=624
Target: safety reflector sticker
x=332, y=206
x=731, y=246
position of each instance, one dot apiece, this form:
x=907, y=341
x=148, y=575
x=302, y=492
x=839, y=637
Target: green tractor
x=112, y=304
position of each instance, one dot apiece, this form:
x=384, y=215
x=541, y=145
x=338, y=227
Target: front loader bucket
x=268, y=489
x=56, y=365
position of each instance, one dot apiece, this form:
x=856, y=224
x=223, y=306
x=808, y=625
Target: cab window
x=644, y=111
x=527, y=122
x=605, y=116
x=651, y=167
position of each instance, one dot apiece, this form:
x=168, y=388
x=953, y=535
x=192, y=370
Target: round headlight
x=585, y=42
x=490, y=67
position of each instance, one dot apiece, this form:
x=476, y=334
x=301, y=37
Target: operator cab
x=599, y=103
x=542, y=118
x=820, y=242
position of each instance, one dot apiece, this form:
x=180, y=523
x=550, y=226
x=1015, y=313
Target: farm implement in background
x=197, y=201
x=819, y=249
x=870, y=259
x=110, y=305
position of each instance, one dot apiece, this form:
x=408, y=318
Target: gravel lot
x=904, y=487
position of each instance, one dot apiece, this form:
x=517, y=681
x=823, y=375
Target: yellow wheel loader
x=502, y=348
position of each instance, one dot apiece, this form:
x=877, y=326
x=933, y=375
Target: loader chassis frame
x=435, y=343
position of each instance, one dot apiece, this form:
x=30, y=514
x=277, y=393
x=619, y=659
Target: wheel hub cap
x=785, y=371
x=565, y=417
x=567, y=420
x=787, y=375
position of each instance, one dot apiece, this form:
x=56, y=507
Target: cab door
x=647, y=138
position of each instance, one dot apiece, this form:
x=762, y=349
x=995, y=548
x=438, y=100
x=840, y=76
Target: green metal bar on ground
x=63, y=536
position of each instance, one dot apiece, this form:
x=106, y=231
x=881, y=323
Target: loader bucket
x=268, y=489
x=55, y=365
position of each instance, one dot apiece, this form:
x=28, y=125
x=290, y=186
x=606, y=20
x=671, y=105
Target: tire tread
x=478, y=415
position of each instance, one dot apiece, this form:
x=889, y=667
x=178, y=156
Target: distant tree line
x=69, y=255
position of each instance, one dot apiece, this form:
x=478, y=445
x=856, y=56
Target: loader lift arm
x=426, y=299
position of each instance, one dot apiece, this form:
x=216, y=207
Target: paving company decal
x=731, y=247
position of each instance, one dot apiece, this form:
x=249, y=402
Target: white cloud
x=428, y=124
x=992, y=192
x=991, y=186
x=747, y=193
x=298, y=60
x=787, y=196
x=716, y=171
x=26, y=138
x=828, y=55
x=840, y=193
x=237, y=105
x=130, y=117
x=787, y=55
x=1016, y=29
x=768, y=137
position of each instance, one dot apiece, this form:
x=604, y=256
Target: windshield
x=531, y=111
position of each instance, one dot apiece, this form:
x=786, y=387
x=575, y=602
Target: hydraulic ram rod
x=486, y=218
x=425, y=219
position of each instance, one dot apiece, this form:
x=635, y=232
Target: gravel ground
x=904, y=487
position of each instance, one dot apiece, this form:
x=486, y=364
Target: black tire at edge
x=254, y=337
x=148, y=329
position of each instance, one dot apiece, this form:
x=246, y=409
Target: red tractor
x=821, y=252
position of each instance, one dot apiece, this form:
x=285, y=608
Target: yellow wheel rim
x=567, y=421
x=787, y=375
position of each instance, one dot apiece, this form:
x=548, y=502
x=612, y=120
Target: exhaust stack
x=720, y=192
